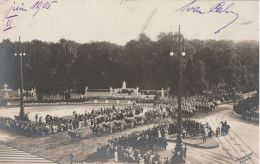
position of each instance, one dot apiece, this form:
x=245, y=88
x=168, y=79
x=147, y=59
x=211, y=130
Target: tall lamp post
x=178, y=154
x=21, y=54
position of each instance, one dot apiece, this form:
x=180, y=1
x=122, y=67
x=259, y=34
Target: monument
x=162, y=93
x=111, y=90
x=136, y=91
x=86, y=91
x=124, y=85
x=33, y=93
x=6, y=90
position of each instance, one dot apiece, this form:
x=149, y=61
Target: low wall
x=98, y=101
x=92, y=101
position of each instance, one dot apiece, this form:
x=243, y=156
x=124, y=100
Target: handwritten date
x=14, y=11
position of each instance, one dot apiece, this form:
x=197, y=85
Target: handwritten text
x=14, y=11
x=220, y=7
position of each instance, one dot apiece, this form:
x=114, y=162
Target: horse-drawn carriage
x=140, y=120
x=75, y=135
x=224, y=128
x=106, y=127
x=152, y=115
x=130, y=122
x=120, y=124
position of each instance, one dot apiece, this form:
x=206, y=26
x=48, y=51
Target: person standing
x=204, y=137
x=116, y=155
x=40, y=120
x=71, y=157
x=185, y=151
x=36, y=117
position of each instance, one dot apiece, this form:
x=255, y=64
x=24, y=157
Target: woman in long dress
x=166, y=134
x=159, y=133
x=116, y=155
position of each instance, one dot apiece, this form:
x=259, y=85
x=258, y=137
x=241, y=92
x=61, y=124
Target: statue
x=111, y=91
x=34, y=93
x=124, y=85
x=86, y=90
x=5, y=86
x=162, y=93
x=136, y=91
x=6, y=90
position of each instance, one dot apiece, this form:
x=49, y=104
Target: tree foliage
x=59, y=67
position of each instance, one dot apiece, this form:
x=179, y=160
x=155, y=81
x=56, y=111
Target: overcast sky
x=120, y=21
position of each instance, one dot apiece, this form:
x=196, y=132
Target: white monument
x=136, y=91
x=86, y=91
x=111, y=90
x=124, y=85
x=6, y=90
x=162, y=93
x=33, y=93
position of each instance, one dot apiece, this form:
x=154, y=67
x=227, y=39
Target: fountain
x=6, y=91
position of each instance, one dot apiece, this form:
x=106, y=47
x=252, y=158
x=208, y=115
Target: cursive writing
x=9, y=15
x=40, y=4
x=14, y=11
x=220, y=7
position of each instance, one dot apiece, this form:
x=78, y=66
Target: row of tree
x=58, y=67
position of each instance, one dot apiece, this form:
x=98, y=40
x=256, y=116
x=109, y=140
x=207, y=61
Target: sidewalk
x=211, y=143
x=9, y=154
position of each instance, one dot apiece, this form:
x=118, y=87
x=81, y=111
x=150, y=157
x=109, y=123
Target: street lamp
x=178, y=154
x=21, y=54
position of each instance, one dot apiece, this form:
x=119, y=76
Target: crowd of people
x=192, y=105
x=136, y=147
x=39, y=128
x=133, y=148
x=97, y=120
x=109, y=120
x=248, y=108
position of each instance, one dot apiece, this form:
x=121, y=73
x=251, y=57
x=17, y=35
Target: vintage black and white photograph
x=129, y=81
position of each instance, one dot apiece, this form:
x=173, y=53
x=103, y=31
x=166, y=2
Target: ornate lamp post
x=21, y=54
x=178, y=154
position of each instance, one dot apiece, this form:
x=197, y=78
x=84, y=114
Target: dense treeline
x=58, y=67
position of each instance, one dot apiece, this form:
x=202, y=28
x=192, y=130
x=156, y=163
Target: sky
x=119, y=21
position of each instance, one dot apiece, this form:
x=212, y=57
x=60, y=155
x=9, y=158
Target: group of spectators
x=248, y=108
x=136, y=147
x=223, y=94
x=98, y=120
x=191, y=105
x=50, y=126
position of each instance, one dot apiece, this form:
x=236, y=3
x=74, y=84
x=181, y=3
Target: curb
x=196, y=145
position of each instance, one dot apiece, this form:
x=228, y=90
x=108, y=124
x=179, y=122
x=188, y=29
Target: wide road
x=243, y=139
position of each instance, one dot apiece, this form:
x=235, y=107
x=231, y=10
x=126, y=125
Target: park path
x=11, y=155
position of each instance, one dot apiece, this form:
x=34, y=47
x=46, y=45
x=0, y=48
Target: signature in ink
x=14, y=11
x=9, y=15
x=220, y=7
